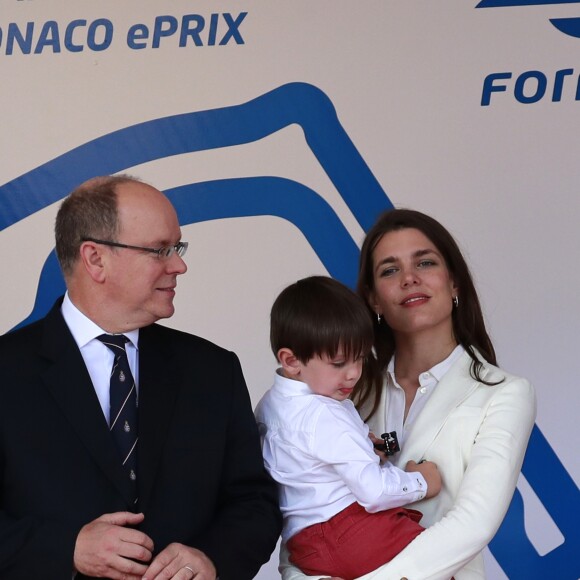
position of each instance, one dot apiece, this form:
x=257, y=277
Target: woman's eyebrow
x=420, y=253
x=387, y=260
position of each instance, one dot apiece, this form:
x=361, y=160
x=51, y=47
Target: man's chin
x=166, y=312
x=160, y=311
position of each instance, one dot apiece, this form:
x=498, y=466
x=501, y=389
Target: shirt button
x=423, y=390
x=424, y=376
x=404, y=489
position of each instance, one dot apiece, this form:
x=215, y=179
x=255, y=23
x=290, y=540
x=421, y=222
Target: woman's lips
x=415, y=300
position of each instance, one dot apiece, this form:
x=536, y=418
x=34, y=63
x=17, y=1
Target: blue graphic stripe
x=503, y=3
x=559, y=495
x=569, y=26
x=309, y=108
x=295, y=103
x=50, y=286
x=242, y=197
x=279, y=197
x=560, y=505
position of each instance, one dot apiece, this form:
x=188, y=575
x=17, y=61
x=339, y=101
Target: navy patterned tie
x=123, y=405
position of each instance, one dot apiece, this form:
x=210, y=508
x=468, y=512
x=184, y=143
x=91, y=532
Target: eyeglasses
x=164, y=252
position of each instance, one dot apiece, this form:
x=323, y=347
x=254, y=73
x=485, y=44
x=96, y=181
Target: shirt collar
x=438, y=371
x=290, y=387
x=84, y=329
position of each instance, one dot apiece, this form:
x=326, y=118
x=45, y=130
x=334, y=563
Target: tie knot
x=115, y=342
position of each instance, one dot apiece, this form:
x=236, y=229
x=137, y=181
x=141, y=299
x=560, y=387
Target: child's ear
x=289, y=362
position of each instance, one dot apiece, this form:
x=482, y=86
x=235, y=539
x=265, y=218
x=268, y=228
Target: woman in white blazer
x=435, y=381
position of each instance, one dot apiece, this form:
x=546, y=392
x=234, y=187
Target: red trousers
x=353, y=542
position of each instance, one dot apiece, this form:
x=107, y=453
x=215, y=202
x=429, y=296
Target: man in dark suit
x=196, y=502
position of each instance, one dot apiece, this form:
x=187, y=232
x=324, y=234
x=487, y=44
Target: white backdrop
x=407, y=81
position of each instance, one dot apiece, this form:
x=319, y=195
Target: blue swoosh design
x=295, y=103
x=307, y=106
x=503, y=3
x=242, y=197
x=254, y=196
x=560, y=497
x=569, y=26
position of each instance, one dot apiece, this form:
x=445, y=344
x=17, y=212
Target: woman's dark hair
x=319, y=316
x=468, y=324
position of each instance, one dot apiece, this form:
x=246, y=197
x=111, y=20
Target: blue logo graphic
x=569, y=26
x=309, y=108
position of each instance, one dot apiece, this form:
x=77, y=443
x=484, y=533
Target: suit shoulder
x=496, y=374
x=513, y=390
x=22, y=337
x=493, y=374
x=178, y=339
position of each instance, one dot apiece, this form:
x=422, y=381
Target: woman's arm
x=483, y=498
x=484, y=494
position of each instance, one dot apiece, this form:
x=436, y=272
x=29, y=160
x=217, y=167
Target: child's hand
x=374, y=440
x=431, y=474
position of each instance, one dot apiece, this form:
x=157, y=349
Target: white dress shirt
x=395, y=405
x=318, y=451
x=98, y=357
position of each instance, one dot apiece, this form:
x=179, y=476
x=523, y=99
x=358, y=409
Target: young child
x=341, y=506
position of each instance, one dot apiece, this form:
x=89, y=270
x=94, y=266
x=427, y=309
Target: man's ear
x=290, y=363
x=91, y=258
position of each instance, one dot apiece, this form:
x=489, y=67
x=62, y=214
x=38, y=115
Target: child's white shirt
x=319, y=452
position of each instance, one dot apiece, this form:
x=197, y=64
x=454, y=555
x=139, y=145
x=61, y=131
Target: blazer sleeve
x=35, y=549
x=484, y=494
x=246, y=528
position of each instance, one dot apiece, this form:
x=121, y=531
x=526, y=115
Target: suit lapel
x=159, y=384
x=69, y=382
x=452, y=390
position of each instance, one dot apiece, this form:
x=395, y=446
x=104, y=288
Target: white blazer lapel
x=452, y=390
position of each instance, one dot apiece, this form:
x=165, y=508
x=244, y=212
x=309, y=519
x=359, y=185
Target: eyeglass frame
x=180, y=248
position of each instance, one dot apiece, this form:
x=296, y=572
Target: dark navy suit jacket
x=201, y=475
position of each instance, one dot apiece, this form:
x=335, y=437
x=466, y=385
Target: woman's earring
x=456, y=301
x=378, y=318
